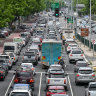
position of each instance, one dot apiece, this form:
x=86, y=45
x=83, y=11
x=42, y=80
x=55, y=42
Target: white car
x=29, y=65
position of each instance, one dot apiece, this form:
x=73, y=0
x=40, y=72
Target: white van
x=11, y=47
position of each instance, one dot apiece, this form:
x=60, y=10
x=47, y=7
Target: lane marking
x=70, y=86
x=9, y=86
x=40, y=84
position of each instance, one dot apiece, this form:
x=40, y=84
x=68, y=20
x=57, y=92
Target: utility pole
x=90, y=29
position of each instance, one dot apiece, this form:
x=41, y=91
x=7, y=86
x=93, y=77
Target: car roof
x=56, y=87
x=27, y=64
x=92, y=83
x=85, y=68
x=81, y=62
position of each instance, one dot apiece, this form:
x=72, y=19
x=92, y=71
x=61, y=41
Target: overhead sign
x=84, y=32
x=54, y=5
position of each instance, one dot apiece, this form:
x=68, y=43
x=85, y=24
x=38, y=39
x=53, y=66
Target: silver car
x=91, y=90
x=85, y=75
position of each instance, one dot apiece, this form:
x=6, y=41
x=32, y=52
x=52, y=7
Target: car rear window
x=4, y=57
x=8, y=47
x=56, y=91
x=23, y=74
x=57, y=75
x=19, y=94
x=29, y=54
x=82, y=64
x=85, y=71
x=92, y=87
x=11, y=55
x=76, y=52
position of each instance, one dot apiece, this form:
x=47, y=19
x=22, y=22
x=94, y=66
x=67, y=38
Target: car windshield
x=92, y=87
x=56, y=91
x=8, y=47
x=19, y=94
x=82, y=64
x=85, y=71
x=76, y=52
x=24, y=74
x=56, y=75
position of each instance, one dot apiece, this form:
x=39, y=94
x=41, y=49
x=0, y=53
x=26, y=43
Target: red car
x=55, y=90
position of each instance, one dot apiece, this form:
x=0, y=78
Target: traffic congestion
x=41, y=60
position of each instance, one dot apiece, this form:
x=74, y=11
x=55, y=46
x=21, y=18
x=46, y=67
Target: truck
x=51, y=52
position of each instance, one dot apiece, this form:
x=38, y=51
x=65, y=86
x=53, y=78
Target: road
x=40, y=77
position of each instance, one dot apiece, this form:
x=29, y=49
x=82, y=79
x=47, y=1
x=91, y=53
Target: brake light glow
x=31, y=81
x=71, y=55
x=68, y=47
x=59, y=57
x=64, y=81
x=14, y=58
x=32, y=68
x=48, y=81
x=1, y=71
x=16, y=80
x=93, y=75
x=1, y=77
x=81, y=54
x=77, y=75
x=9, y=61
x=43, y=57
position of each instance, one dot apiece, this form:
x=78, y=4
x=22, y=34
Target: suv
x=85, y=75
x=30, y=57
x=24, y=76
x=76, y=55
x=21, y=90
x=8, y=60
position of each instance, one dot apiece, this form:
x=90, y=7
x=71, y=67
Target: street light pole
x=90, y=29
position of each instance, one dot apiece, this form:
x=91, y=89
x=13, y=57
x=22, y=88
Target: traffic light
x=57, y=12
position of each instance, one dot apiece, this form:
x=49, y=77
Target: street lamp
x=75, y=21
x=90, y=29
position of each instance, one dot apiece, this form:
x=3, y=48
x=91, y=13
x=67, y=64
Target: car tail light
x=16, y=80
x=93, y=75
x=31, y=81
x=43, y=57
x=1, y=76
x=32, y=68
x=9, y=61
x=1, y=71
x=59, y=57
x=14, y=58
x=23, y=57
x=81, y=54
x=71, y=55
x=64, y=81
x=77, y=75
x=48, y=81
x=68, y=47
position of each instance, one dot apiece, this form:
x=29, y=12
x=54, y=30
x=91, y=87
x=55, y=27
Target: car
x=55, y=90
x=29, y=65
x=2, y=73
x=21, y=90
x=91, y=90
x=76, y=55
x=24, y=75
x=36, y=50
x=80, y=64
x=70, y=46
x=85, y=75
x=30, y=57
x=56, y=78
x=8, y=60
x=60, y=95
x=14, y=57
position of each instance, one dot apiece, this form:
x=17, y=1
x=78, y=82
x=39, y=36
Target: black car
x=2, y=73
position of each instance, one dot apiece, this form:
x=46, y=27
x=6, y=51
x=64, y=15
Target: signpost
x=54, y=6
x=84, y=32
x=93, y=42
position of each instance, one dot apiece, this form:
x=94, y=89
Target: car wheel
x=76, y=82
x=69, y=61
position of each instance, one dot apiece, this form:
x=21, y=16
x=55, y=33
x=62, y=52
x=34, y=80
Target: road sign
x=54, y=6
x=93, y=41
x=70, y=20
x=84, y=32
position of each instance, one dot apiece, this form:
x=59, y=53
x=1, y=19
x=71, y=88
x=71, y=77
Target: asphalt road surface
x=40, y=77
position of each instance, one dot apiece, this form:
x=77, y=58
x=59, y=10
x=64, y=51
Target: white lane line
x=40, y=84
x=9, y=86
x=70, y=86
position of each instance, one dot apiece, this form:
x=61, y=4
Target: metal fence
x=85, y=41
